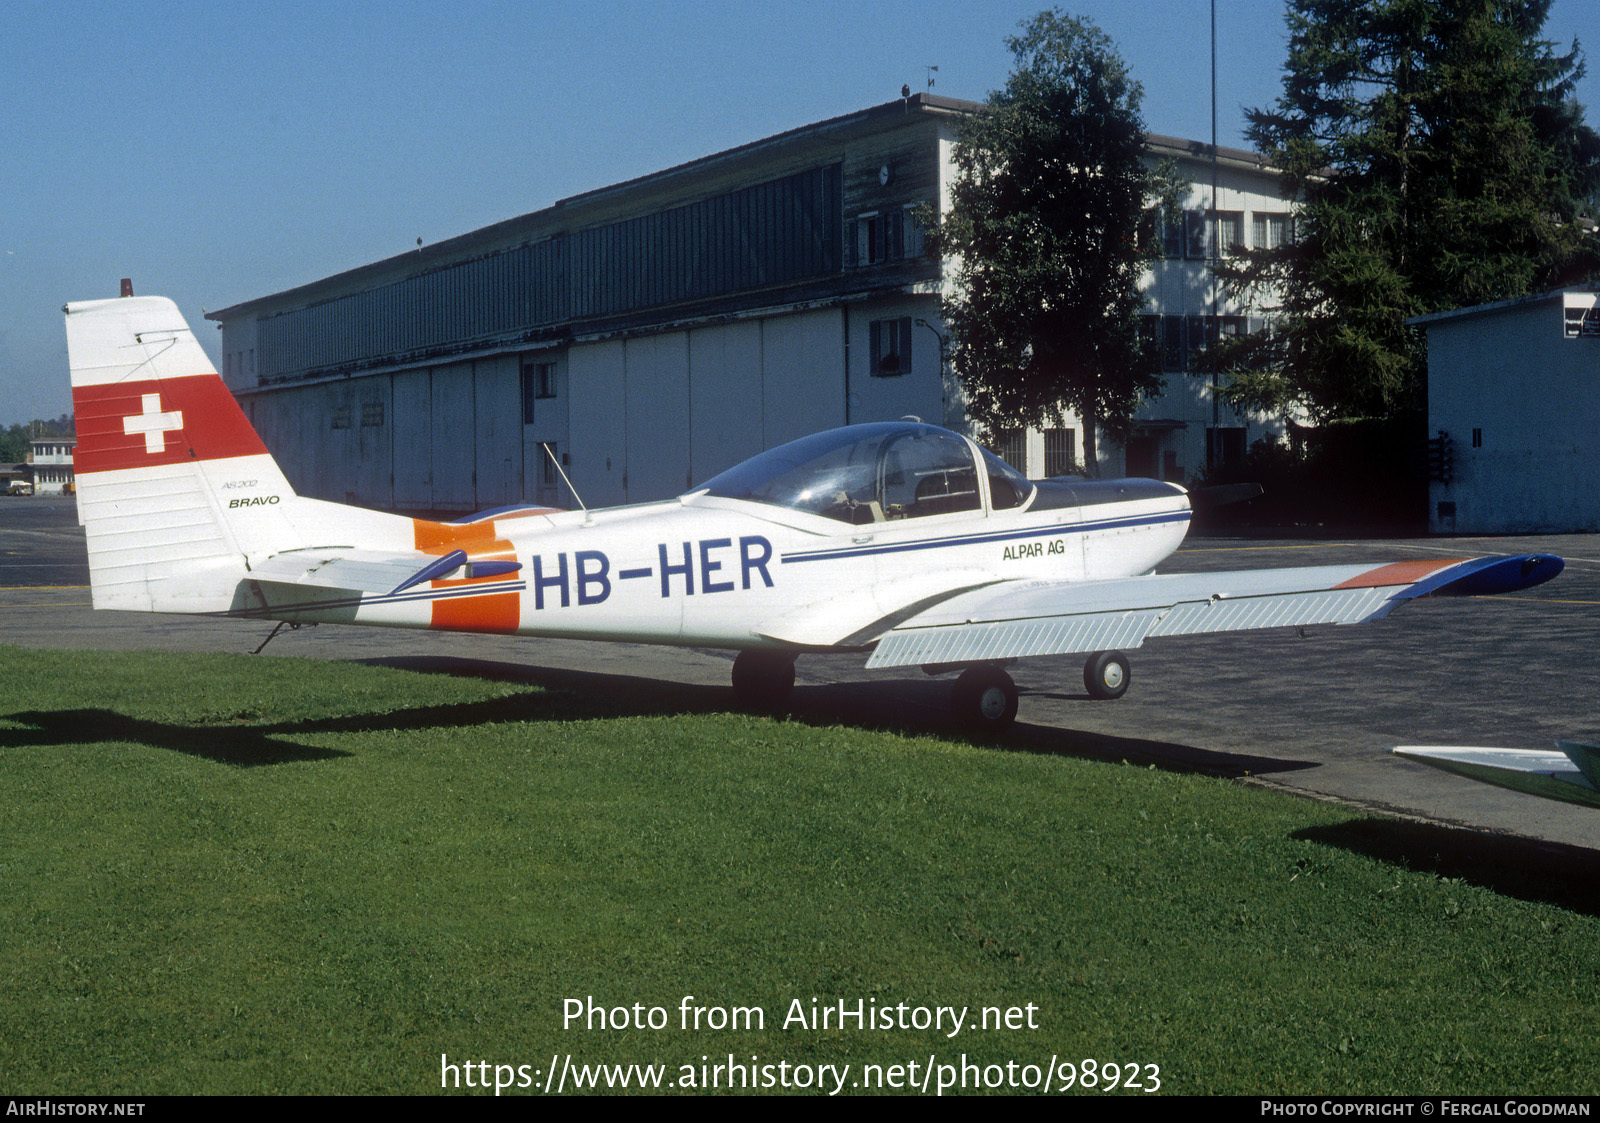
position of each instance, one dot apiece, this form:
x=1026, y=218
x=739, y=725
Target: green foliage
x=1440, y=162
x=14, y=442
x=1050, y=223
x=1363, y=473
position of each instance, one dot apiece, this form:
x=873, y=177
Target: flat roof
x=1494, y=306
x=931, y=105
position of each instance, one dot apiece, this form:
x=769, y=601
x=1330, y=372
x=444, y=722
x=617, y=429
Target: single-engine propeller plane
x=900, y=540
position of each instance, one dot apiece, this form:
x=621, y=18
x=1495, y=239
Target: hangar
x=621, y=345
x=1513, y=394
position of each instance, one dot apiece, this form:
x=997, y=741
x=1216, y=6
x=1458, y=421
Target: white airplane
x=1572, y=774
x=900, y=540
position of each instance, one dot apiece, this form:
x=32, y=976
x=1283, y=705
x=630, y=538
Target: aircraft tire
x=1107, y=675
x=763, y=680
x=984, y=700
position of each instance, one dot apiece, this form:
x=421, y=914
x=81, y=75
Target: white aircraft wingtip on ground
x=1571, y=774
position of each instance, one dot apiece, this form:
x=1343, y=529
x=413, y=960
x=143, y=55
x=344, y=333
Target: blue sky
x=218, y=152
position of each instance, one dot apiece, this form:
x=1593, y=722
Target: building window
x=874, y=238
x=1011, y=445
x=1060, y=452
x=1230, y=233
x=1201, y=241
x=891, y=347
x=1194, y=234
x=1224, y=446
x=548, y=489
x=1172, y=241
x=1181, y=337
x=371, y=414
x=341, y=417
x=538, y=381
x=1174, y=355
x=1269, y=230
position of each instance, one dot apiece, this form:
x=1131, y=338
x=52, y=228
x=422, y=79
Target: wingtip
x=1479, y=577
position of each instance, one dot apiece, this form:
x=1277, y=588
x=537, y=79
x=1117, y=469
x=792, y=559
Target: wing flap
x=1060, y=618
x=1012, y=639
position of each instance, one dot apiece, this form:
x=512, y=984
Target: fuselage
x=715, y=569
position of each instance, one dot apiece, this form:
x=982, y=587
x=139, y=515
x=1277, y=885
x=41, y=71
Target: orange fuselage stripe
x=495, y=612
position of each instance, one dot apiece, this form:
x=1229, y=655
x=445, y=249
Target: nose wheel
x=1107, y=674
x=984, y=700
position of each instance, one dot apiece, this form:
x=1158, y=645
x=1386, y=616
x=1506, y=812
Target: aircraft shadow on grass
x=240, y=745
x=915, y=707
x=1565, y=876
x=918, y=706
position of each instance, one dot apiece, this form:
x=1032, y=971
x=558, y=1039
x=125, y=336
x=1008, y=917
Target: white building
x=1513, y=398
x=647, y=335
x=51, y=458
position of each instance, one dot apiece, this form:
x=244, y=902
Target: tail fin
x=175, y=489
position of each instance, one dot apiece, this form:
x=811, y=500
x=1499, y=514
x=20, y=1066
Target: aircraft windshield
x=1008, y=487
x=871, y=473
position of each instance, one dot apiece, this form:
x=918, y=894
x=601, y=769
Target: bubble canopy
x=875, y=473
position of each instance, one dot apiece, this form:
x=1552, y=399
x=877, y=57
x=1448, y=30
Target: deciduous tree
x=1050, y=231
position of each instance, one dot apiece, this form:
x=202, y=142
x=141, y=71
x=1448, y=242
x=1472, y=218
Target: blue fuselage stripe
x=980, y=539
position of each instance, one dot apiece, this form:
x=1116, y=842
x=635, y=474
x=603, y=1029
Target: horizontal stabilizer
x=1568, y=775
x=372, y=571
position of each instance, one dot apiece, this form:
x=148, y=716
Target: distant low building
x=1513, y=398
x=51, y=459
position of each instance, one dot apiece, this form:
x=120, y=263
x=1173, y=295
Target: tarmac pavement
x=1313, y=714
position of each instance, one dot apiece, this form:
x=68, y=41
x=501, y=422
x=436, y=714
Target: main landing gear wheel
x=763, y=680
x=984, y=700
x=1107, y=674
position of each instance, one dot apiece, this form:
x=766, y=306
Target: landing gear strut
x=763, y=680
x=984, y=700
x=1106, y=674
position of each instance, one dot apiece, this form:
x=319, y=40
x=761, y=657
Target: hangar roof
x=577, y=210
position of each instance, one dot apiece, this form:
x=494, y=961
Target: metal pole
x=1216, y=310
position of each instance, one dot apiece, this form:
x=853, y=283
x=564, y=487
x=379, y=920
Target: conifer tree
x=1440, y=162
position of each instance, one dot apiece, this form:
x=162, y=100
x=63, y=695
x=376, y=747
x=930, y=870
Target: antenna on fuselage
x=551, y=453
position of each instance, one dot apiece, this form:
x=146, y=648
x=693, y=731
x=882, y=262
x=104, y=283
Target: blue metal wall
x=778, y=232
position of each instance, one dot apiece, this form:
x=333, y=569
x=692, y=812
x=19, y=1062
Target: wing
x=1026, y=618
x=371, y=571
x=1568, y=775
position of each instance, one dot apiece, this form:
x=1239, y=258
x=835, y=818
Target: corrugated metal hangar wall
x=646, y=336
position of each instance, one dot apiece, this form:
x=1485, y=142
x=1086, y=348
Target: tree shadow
x=1531, y=870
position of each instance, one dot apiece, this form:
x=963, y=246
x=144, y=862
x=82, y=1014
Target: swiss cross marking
x=154, y=424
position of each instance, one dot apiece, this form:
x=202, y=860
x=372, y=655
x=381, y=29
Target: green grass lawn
x=234, y=875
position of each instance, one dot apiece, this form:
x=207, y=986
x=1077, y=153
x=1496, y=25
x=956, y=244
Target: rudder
x=163, y=450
